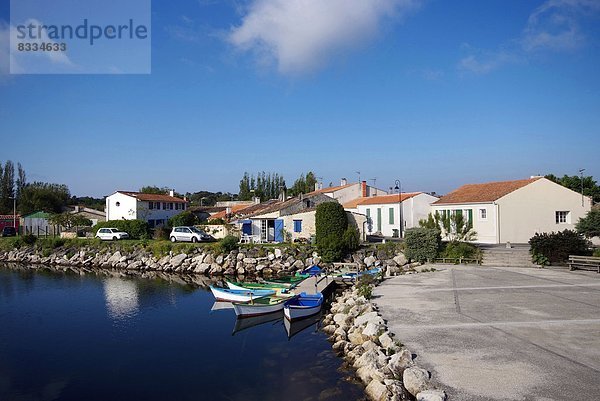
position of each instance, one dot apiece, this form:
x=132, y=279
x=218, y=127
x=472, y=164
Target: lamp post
x=399, y=189
x=581, y=170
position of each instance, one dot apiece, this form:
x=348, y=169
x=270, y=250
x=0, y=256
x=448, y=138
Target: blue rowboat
x=303, y=305
x=314, y=270
x=225, y=294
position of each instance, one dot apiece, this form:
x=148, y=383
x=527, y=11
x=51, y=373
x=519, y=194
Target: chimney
x=172, y=192
x=317, y=186
x=364, y=189
x=228, y=210
x=344, y=182
x=256, y=200
x=77, y=209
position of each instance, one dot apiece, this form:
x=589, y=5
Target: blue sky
x=434, y=93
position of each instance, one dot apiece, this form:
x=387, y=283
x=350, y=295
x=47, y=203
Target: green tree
x=422, y=244
x=573, y=182
x=21, y=180
x=153, y=189
x=42, y=196
x=589, y=226
x=7, y=187
x=186, y=218
x=69, y=220
x=331, y=224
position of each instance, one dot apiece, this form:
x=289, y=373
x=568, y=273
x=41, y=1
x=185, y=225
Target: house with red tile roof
x=348, y=192
x=391, y=215
x=513, y=211
x=156, y=209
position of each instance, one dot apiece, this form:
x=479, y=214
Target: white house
x=513, y=211
x=156, y=209
x=385, y=213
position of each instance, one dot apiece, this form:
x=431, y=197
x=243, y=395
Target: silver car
x=111, y=234
x=188, y=234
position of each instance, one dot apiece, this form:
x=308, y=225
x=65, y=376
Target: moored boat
x=302, y=306
x=245, y=295
x=254, y=286
x=260, y=306
x=371, y=272
x=279, y=291
x=288, y=280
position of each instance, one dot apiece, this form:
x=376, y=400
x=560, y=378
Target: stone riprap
x=384, y=365
x=245, y=261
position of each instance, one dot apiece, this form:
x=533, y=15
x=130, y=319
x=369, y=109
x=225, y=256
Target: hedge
x=557, y=246
x=422, y=243
x=137, y=229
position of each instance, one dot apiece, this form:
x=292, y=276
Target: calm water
x=67, y=337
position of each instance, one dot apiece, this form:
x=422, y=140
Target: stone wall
x=246, y=261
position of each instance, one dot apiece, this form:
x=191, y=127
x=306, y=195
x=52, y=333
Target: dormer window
x=118, y=204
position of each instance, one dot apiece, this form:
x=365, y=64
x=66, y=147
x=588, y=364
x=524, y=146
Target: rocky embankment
x=198, y=260
x=382, y=363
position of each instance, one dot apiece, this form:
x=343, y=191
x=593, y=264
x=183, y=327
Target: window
x=164, y=205
x=391, y=215
x=297, y=226
x=563, y=217
x=482, y=214
x=157, y=205
x=183, y=206
x=150, y=205
x=171, y=206
x=118, y=204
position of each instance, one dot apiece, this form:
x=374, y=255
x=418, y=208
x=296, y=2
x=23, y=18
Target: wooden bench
x=576, y=262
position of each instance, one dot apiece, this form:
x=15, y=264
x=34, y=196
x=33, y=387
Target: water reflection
x=121, y=298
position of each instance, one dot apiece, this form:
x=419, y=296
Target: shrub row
x=557, y=246
x=137, y=229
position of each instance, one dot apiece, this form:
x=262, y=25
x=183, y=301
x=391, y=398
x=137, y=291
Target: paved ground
x=494, y=333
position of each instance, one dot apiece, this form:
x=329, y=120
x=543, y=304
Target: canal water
x=71, y=337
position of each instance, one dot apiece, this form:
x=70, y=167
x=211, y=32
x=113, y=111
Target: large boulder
x=415, y=380
x=400, y=259
x=400, y=361
x=370, y=317
x=367, y=373
x=377, y=391
x=177, y=260
x=369, y=261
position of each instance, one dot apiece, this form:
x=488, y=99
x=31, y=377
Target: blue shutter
x=278, y=230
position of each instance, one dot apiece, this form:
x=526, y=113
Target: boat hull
x=249, y=309
x=238, y=296
x=303, y=306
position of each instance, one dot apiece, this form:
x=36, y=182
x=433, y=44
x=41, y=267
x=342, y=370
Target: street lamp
x=581, y=170
x=398, y=188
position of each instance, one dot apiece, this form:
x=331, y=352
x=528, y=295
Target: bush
x=589, y=226
x=137, y=229
x=557, y=247
x=330, y=219
x=458, y=250
x=331, y=249
x=365, y=286
x=422, y=244
x=331, y=224
x=351, y=238
x=597, y=253
x=228, y=244
x=29, y=239
x=186, y=218
x=161, y=233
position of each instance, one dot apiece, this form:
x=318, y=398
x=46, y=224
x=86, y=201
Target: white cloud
x=300, y=36
x=555, y=26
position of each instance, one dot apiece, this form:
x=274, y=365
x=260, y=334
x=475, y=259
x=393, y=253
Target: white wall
x=413, y=210
x=532, y=209
x=486, y=228
x=127, y=209
x=144, y=213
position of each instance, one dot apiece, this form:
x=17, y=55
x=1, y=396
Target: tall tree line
x=10, y=186
x=304, y=184
x=590, y=187
x=265, y=186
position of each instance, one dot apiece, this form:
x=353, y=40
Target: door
x=278, y=230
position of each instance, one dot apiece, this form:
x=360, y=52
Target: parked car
x=189, y=234
x=111, y=234
x=9, y=232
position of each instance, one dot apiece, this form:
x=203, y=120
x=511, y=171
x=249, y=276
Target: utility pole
x=581, y=170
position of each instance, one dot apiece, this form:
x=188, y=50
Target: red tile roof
x=223, y=213
x=153, y=197
x=482, y=193
x=385, y=199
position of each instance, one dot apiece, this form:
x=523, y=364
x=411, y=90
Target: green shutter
x=391, y=215
x=470, y=221
x=378, y=219
x=368, y=212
